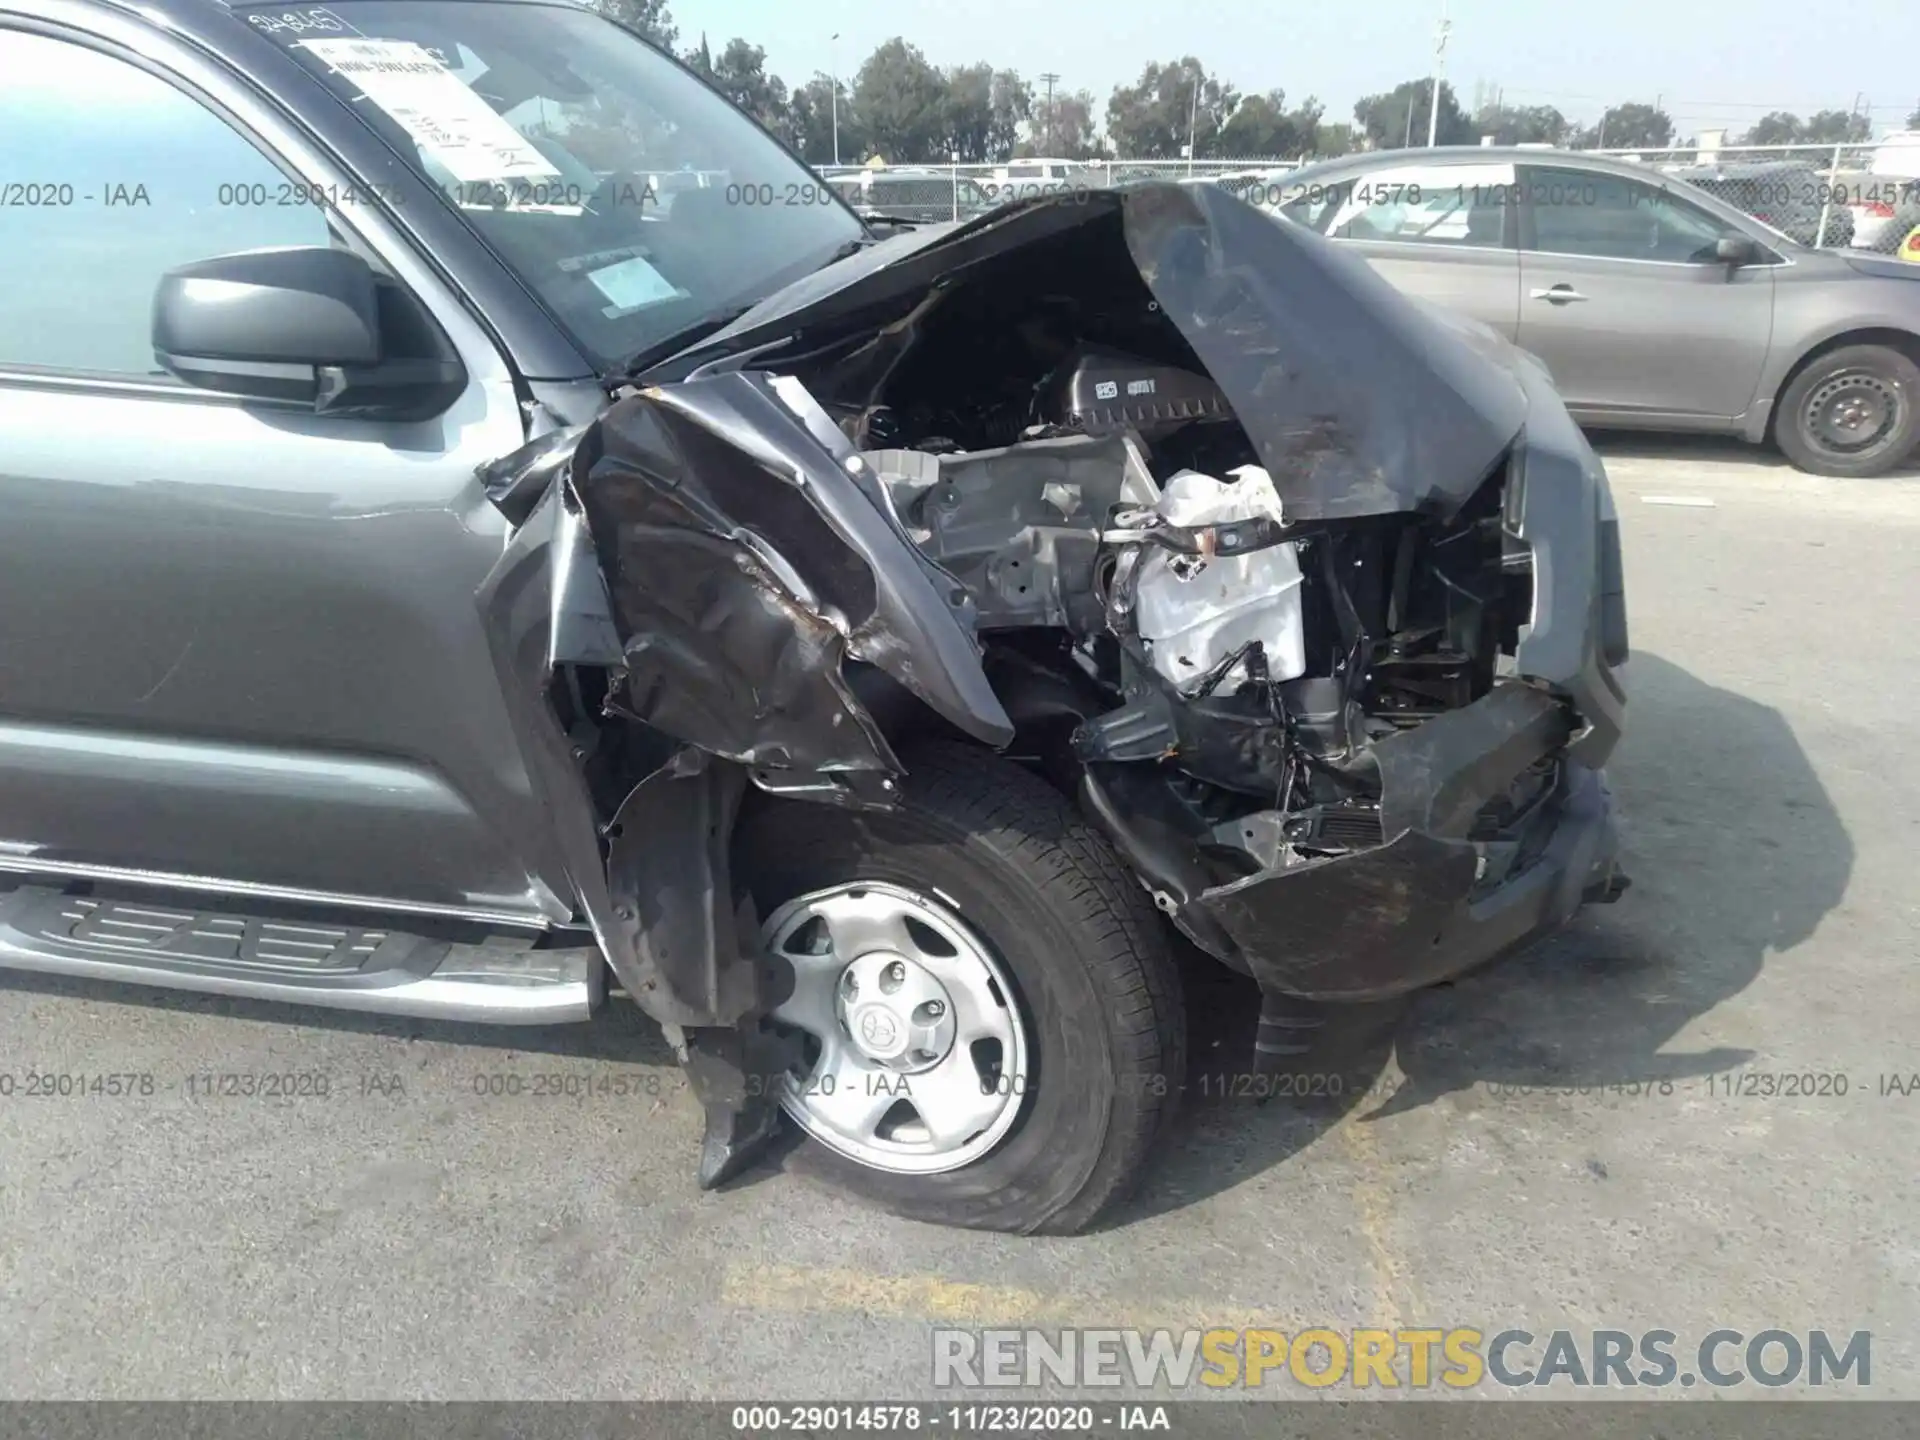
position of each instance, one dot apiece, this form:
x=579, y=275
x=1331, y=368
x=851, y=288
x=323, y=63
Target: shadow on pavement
x=1736, y=854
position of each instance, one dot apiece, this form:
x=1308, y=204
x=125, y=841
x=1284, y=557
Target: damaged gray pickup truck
x=871, y=653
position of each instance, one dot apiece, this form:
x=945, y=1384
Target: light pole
x=833, y=89
x=1193, y=120
x=1439, y=67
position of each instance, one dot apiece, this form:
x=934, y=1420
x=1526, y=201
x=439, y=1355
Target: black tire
x=1874, y=375
x=1083, y=947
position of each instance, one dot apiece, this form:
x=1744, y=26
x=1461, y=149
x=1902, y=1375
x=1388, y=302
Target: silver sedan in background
x=1654, y=304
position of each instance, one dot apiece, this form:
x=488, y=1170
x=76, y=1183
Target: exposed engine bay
x=1161, y=628
x=1200, y=629
x=1311, y=598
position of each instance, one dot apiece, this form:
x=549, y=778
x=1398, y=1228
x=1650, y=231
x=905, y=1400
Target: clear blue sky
x=1717, y=62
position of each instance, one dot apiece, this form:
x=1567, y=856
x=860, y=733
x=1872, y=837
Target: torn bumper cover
x=1415, y=912
x=1446, y=892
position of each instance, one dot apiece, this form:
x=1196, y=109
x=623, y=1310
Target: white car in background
x=1889, y=203
x=1020, y=179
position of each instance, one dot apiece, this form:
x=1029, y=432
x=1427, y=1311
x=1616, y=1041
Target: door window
x=1615, y=217
x=115, y=177
x=1456, y=205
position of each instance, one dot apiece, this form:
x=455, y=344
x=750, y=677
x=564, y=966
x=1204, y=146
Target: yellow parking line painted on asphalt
x=808, y=1289
x=1393, y=1281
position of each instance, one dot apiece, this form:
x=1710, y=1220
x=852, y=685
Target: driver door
x=239, y=648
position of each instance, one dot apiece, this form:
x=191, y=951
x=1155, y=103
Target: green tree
x=1913, y=121
x=984, y=111
x=1012, y=108
x=1339, y=138
x=649, y=19
x=700, y=58
x=1401, y=115
x=741, y=75
x=1522, y=124
x=1152, y=118
x=1632, y=126
x=901, y=102
x=1781, y=127
x=1263, y=126
x=1068, y=133
x=809, y=127
x=1837, y=127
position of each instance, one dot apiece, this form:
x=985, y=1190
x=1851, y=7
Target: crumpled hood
x=1358, y=400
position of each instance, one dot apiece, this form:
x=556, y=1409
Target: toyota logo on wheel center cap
x=878, y=1030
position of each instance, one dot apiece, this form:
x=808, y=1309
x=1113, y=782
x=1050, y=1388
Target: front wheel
x=1852, y=412
x=990, y=1017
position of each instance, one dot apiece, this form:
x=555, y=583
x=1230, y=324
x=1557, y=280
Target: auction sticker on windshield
x=455, y=127
x=631, y=285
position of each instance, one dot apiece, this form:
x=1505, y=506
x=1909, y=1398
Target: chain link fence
x=1864, y=196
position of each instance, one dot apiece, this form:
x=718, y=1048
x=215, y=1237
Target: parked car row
x=1654, y=302
x=927, y=194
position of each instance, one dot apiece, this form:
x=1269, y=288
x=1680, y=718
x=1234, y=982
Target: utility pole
x=1050, y=77
x=833, y=86
x=1439, y=68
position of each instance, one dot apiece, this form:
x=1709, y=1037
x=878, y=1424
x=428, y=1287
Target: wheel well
x=1904, y=341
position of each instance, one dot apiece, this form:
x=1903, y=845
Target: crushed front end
x=1311, y=597
x=1412, y=796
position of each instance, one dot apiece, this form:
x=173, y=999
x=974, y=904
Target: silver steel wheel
x=918, y=1058
x=1854, y=411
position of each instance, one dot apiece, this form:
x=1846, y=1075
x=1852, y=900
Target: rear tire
x=1096, y=989
x=1853, y=412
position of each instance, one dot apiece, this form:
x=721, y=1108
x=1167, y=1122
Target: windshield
x=633, y=200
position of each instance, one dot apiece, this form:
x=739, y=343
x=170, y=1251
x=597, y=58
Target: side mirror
x=1733, y=251
x=300, y=326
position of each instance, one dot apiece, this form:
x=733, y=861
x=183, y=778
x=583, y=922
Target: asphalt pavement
x=1596, y=1134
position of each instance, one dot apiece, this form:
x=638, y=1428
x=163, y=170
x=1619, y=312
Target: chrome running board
x=301, y=961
